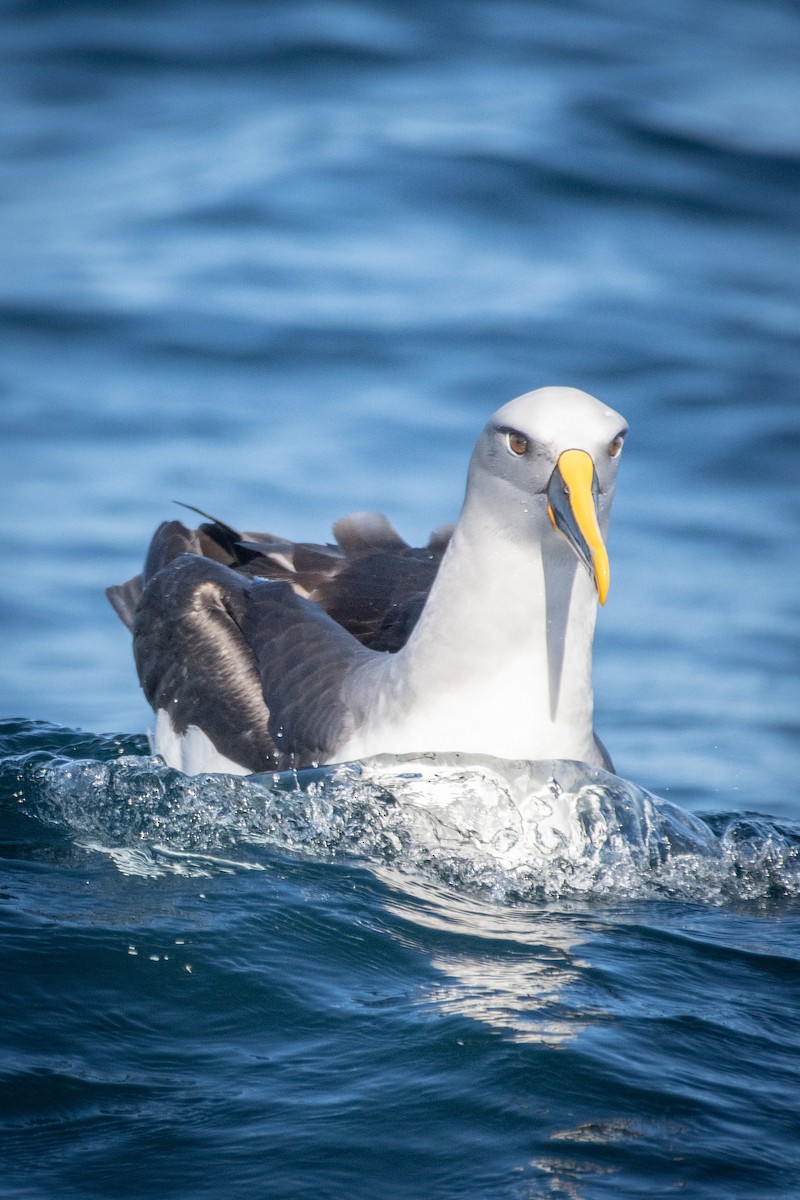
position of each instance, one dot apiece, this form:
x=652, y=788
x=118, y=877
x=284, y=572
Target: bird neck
x=513, y=640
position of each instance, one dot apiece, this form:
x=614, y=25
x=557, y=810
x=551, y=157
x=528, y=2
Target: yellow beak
x=571, y=496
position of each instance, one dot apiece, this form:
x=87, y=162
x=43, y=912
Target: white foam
x=513, y=831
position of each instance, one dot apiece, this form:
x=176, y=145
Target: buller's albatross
x=261, y=654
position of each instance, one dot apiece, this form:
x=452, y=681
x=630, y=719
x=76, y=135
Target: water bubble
x=510, y=830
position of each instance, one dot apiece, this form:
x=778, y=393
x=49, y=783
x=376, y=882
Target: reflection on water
x=508, y=968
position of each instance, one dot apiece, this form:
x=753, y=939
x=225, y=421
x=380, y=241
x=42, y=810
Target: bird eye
x=517, y=444
x=616, y=446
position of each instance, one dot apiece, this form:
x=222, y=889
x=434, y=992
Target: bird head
x=552, y=457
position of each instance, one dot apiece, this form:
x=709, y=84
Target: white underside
x=498, y=709
x=192, y=752
x=502, y=726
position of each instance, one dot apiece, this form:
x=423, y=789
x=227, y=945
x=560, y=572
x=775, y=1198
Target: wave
x=512, y=831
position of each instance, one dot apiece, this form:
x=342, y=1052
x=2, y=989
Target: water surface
x=281, y=261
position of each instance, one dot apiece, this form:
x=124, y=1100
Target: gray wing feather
x=124, y=597
x=303, y=658
x=365, y=532
x=607, y=763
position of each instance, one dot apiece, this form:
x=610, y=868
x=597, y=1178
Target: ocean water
x=280, y=260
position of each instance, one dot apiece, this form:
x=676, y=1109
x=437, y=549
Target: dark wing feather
x=396, y=627
x=194, y=662
x=218, y=646
x=303, y=657
x=169, y=541
x=370, y=583
x=371, y=592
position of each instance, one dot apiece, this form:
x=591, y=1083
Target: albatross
x=261, y=654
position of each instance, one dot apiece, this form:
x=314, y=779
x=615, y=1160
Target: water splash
x=513, y=831
x=541, y=830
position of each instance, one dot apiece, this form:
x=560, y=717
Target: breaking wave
x=514, y=831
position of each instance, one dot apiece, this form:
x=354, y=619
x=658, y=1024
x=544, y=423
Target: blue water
x=280, y=261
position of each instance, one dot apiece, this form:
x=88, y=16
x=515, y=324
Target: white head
x=545, y=467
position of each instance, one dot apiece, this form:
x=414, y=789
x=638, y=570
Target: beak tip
x=602, y=577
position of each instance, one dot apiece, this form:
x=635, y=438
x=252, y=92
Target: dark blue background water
x=280, y=260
